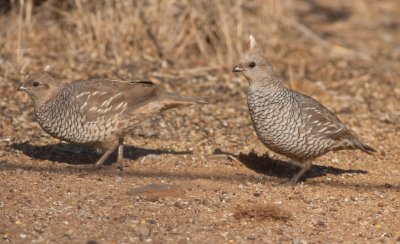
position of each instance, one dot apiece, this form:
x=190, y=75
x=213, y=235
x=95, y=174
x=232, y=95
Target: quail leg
x=106, y=155
x=120, y=155
x=304, y=168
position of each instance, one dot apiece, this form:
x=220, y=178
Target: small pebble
x=251, y=238
x=321, y=223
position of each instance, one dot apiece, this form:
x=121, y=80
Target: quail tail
x=176, y=101
x=359, y=145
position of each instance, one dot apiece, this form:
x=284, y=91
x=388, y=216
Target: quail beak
x=237, y=68
x=22, y=88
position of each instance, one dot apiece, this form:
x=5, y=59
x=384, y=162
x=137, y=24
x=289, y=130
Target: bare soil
x=199, y=174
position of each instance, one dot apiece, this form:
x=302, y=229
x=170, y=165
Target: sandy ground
x=199, y=175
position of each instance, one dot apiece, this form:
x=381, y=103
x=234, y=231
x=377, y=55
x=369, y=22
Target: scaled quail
x=288, y=122
x=98, y=111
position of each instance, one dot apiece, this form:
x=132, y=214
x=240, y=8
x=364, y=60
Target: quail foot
x=99, y=112
x=288, y=122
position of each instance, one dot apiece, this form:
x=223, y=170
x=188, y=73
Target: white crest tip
x=252, y=42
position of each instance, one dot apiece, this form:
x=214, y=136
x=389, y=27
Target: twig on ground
x=317, y=39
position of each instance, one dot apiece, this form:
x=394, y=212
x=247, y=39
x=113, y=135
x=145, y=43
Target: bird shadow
x=282, y=169
x=83, y=154
x=261, y=164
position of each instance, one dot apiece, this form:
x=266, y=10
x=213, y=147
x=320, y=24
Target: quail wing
x=100, y=100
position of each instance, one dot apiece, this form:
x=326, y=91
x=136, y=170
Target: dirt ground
x=199, y=174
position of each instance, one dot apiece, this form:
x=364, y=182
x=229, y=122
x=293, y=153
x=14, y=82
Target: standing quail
x=99, y=111
x=288, y=122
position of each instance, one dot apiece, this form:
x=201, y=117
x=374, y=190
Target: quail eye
x=252, y=64
x=36, y=84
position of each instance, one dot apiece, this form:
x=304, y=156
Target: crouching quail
x=98, y=111
x=288, y=122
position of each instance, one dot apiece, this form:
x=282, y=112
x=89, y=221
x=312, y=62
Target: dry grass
x=187, y=33
x=162, y=39
x=133, y=38
x=167, y=40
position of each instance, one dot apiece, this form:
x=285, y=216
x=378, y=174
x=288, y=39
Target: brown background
x=180, y=184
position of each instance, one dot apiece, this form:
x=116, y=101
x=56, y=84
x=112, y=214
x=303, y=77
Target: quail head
x=98, y=111
x=288, y=122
